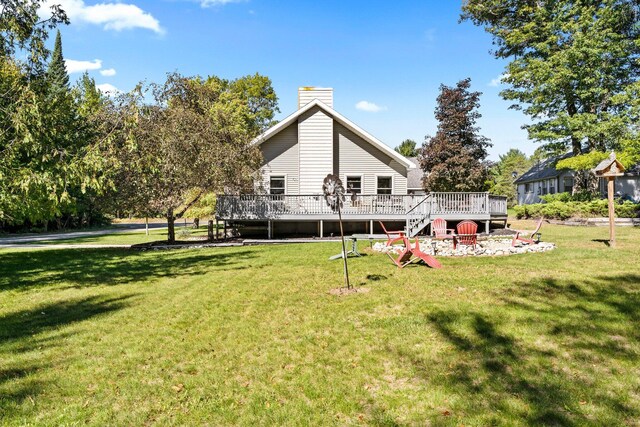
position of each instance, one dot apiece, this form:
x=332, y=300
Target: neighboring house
x=543, y=178
x=627, y=186
x=316, y=140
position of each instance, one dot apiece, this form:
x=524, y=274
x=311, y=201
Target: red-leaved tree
x=453, y=158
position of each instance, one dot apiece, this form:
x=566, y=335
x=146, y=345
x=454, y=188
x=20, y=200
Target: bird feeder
x=609, y=168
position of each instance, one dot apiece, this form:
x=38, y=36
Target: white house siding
x=625, y=186
x=355, y=156
x=315, y=132
x=628, y=185
x=308, y=94
x=536, y=188
x=281, y=156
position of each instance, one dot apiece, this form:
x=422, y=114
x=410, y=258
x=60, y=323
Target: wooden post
x=210, y=230
x=269, y=232
x=146, y=225
x=612, y=211
x=321, y=225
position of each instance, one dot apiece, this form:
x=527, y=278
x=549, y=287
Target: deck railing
x=253, y=206
x=263, y=207
x=497, y=205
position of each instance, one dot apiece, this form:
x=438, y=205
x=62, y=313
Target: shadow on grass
x=549, y=353
x=29, y=323
x=21, y=332
x=86, y=267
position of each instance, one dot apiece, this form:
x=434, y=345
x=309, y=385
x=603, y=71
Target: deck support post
x=321, y=226
x=487, y=226
x=370, y=226
x=269, y=230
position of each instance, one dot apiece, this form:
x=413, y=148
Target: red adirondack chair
x=466, y=234
x=412, y=254
x=439, y=229
x=526, y=239
x=392, y=235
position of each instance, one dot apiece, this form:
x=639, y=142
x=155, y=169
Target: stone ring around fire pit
x=486, y=247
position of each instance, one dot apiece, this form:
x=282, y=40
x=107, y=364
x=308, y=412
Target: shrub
x=558, y=197
x=563, y=210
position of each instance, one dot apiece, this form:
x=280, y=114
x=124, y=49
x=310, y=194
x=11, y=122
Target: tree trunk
x=585, y=181
x=171, y=228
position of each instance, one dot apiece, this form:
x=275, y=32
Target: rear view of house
x=314, y=141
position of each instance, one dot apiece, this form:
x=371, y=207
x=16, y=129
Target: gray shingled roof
x=543, y=170
x=414, y=176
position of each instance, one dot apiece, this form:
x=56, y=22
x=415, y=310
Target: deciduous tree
x=187, y=139
x=452, y=159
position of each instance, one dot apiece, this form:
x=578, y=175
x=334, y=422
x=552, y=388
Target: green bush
x=558, y=197
x=572, y=209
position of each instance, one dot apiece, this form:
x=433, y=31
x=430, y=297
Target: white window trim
x=385, y=175
x=279, y=175
x=344, y=181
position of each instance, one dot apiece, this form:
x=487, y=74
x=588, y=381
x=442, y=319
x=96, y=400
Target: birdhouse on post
x=609, y=168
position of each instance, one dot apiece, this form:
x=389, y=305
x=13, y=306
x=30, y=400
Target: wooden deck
x=416, y=210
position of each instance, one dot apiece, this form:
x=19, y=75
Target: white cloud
x=369, y=107
x=112, y=16
x=108, y=89
x=109, y=72
x=209, y=3
x=74, y=66
x=498, y=80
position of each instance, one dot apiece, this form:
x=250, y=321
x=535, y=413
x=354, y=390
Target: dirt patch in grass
x=344, y=291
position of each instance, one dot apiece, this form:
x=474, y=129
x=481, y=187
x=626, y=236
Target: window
x=354, y=184
x=544, y=187
x=527, y=187
x=277, y=185
x=568, y=185
x=384, y=185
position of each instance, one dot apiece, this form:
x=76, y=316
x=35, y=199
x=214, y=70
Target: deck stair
x=419, y=216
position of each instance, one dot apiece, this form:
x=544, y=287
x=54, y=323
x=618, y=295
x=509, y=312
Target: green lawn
x=250, y=335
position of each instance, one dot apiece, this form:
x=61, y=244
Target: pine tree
x=57, y=76
x=572, y=66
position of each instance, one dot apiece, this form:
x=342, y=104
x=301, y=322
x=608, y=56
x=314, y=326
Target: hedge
x=557, y=209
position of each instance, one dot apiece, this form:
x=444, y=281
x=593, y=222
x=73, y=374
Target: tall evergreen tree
x=572, y=64
x=407, y=148
x=502, y=173
x=452, y=159
x=58, y=79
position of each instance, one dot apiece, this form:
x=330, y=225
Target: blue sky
x=384, y=56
